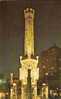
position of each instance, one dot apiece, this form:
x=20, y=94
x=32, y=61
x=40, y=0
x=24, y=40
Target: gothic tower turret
x=29, y=32
x=29, y=63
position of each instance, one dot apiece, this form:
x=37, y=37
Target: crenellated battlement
x=29, y=11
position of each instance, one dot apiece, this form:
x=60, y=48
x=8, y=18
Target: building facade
x=50, y=67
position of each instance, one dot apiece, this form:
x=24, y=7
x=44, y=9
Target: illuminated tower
x=29, y=32
x=29, y=63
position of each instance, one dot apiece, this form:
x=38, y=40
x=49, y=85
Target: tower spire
x=29, y=32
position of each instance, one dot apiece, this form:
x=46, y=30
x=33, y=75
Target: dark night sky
x=47, y=29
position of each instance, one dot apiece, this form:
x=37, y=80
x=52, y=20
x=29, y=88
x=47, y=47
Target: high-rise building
x=50, y=67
